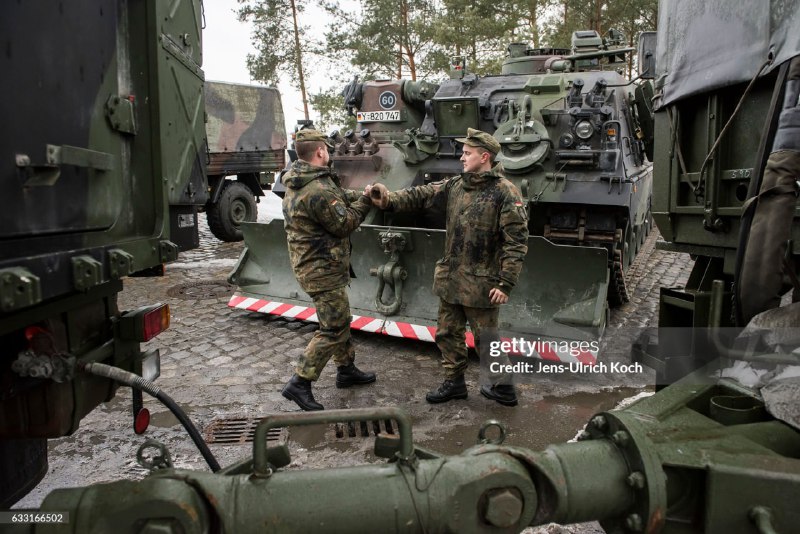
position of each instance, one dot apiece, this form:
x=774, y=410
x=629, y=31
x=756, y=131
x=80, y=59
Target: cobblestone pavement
x=219, y=362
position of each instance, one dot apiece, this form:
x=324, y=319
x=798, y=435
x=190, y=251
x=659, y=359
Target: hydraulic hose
x=137, y=382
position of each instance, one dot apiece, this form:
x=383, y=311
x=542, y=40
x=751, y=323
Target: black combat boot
x=453, y=388
x=298, y=389
x=350, y=375
x=505, y=394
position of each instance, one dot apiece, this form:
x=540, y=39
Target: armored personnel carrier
x=575, y=137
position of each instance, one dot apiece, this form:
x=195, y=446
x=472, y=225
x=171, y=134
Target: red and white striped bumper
x=387, y=327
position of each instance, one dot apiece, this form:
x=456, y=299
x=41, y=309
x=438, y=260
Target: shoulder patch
x=338, y=208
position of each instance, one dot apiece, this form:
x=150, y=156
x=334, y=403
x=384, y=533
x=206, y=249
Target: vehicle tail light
x=141, y=421
x=144, y=323
x=155, y=321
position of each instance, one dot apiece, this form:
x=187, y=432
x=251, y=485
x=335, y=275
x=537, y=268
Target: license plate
x=378, y=116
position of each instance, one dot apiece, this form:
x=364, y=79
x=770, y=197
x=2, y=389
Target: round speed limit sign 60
x=387, y=100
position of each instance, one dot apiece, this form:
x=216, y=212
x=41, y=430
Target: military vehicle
x=703, y=455
x=575, y=137
x=246, y=140
x=718, y=195
x=102, y=144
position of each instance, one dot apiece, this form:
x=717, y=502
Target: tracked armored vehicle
x=575, y=137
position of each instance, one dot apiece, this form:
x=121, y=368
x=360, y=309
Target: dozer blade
x=561, y=293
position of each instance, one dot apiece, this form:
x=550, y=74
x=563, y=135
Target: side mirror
x=646, y=55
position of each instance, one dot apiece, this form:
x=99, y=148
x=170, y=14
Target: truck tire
x=23, y=463
x=236, y=205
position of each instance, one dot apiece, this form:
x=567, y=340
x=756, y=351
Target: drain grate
x=239, y=430
x=202, y=289
x=354, y=429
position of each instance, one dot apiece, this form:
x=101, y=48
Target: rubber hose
x=137, y=382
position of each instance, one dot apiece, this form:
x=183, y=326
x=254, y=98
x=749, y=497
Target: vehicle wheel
x=236, y=205
x=23, y=463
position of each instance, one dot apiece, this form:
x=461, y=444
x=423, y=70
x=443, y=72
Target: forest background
x=314, y=47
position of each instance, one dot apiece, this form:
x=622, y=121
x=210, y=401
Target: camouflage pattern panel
x=181, y=125
x=319, y=220
x=486, y=240
x=83, y=183
x=245, y=129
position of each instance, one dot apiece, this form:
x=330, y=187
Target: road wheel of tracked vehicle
x=236, y=205
x=623, y=248
x=617, y=290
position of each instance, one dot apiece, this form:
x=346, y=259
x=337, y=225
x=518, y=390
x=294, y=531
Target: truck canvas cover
x=728, y=50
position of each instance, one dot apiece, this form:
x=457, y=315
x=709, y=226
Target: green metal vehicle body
x=717, y=106
x=703, y=455
x=587, y=192
x=102, y=147
x=681, y=461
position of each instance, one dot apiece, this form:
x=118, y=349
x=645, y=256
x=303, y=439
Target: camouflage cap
x=312, y=135
x=482, y=139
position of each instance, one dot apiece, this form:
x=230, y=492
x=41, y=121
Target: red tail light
x=141, y=421
x=155, y=321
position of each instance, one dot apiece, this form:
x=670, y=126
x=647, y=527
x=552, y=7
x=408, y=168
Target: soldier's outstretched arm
x=352, y=195
x=337, y=215
x=514, y=236
x=420, y=197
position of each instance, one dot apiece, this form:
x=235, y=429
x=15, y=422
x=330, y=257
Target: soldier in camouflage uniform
x=486, y=242
x=319, y=216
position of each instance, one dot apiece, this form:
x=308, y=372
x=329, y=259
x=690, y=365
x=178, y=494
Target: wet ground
x=219, y=362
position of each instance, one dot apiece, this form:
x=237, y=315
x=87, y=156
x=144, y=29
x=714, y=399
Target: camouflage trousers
x=333, y=337
x=451, y=328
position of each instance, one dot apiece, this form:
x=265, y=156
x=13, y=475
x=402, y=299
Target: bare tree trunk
x=412, y=66
x=533, y=20
x=597, y=15
x=401, y=44
x=299, y=60
x=399, y=61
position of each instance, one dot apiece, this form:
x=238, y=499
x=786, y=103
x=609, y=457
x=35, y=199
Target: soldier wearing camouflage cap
x=486, y=242
x=319, y=216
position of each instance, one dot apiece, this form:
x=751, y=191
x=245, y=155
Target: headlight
x=584, y=129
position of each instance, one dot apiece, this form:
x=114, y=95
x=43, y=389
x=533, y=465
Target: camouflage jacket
x=318, y=218
x=487, y=234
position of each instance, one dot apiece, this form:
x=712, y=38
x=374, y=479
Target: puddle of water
x=534, y=426
x=167, y=420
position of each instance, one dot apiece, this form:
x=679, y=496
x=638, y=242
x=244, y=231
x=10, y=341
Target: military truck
x=724, y=112
x=101, y=146
x=705, y=455
x=246, y=140
x=575, y=137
